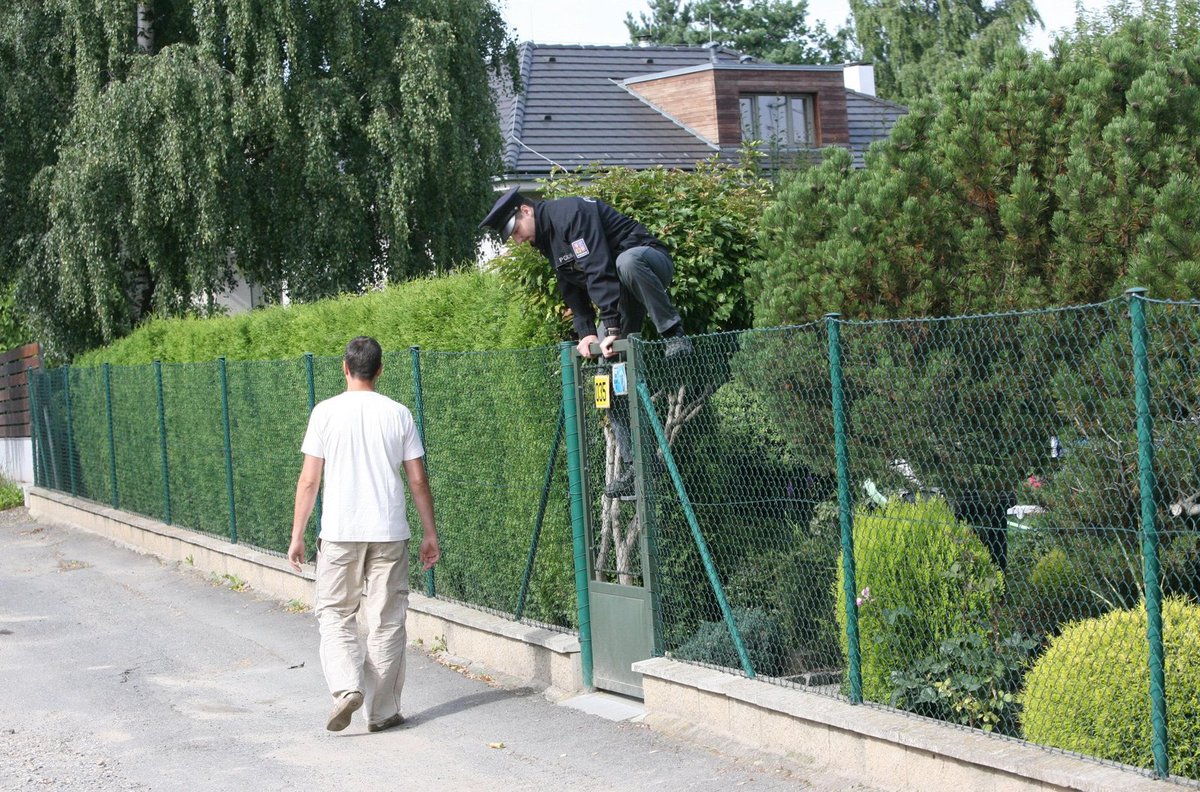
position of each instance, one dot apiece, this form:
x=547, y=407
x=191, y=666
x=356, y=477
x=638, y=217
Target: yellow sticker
x=602, y=391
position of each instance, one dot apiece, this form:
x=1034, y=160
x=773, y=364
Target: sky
x=603, y=21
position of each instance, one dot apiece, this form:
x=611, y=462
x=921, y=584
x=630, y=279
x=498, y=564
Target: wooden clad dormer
x=708, y=98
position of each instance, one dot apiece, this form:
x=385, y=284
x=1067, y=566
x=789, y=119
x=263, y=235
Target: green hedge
x=489, y=425
x=1090, y=691
x=461, y=311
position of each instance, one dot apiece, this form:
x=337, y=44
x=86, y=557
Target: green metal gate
x=617, y=552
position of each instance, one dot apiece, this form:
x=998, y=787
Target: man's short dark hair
x=364, y=356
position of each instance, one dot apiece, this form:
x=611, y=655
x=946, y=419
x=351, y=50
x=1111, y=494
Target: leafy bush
x=922, y=575
x=761, y=635
x=1090, y=691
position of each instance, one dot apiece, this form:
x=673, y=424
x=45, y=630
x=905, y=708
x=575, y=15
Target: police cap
x=503, y=215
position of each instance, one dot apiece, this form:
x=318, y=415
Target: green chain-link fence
x=992, y=521
x=961, y=518
x=214, y=447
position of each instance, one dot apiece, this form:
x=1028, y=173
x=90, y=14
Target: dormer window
x=778, y=120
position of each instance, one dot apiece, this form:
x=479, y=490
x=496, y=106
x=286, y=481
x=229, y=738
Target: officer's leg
x=645, y=274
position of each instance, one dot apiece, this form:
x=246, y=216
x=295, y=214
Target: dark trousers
x=645, y=274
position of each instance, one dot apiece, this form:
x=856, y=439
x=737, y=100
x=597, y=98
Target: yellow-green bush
x=1090, y=691
x=923, y=577
x=459, y=312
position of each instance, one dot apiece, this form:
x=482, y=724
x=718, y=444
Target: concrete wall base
x=521, y=654
x=866, y=745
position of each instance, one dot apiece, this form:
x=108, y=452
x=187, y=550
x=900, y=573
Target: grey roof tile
x=574, y=112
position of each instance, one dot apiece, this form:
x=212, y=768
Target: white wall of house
x=16, y=459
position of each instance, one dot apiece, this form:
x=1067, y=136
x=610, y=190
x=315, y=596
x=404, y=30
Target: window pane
x=800, y=131
x=772, y=119
x=746, y=104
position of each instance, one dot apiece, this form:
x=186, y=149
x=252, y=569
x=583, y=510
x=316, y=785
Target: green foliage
x=1090, y=691
x=924, y=578
x=914, y=44
x=761, y=636
x=314, y=149
x=461, y=311
x=11, y=495
x=1033, y=182
x=772, y=30
x=974, y=676
x=707, y=218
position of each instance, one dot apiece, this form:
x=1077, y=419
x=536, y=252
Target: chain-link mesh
x=995, y=515
x=489, y=422
x=988, y=556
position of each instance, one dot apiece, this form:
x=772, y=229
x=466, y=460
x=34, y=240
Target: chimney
x=859, y=77
x=643, y=40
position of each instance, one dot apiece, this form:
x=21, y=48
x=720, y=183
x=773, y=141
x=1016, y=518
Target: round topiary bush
x=1090, y=691
x=923, y=577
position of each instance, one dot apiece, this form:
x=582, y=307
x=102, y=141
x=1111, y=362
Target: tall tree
x=321, y=146
x=772, y=30
x=914, y=43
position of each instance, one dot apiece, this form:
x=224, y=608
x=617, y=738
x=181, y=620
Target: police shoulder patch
x=580, y=247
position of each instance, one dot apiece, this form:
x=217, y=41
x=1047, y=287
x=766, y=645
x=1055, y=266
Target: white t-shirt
x=364, y=438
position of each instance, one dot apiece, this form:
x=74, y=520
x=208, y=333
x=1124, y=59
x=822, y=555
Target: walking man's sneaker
x=677, y=346
x=343, y=711
x=386, y=723
x=622, y=486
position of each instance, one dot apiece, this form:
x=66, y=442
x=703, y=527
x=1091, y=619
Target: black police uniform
x=583, y=238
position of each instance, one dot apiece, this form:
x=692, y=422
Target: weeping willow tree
x=312, y=146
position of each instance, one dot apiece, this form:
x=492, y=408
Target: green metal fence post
x=541, y=516
x=419, y=411
x=845, y=522
x=112, y=443
x=233, y=535
x=162, y=442
x=578, y=524
x=66, y=370
x=709, y=567
x=312, y=403
x=1150, y=568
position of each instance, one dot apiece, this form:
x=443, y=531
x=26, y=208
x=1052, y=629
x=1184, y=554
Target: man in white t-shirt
x=360, y=440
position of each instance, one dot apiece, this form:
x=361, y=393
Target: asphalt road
x=121, y=672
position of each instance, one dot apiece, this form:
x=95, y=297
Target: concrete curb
x=867, y=745
x=524, y=655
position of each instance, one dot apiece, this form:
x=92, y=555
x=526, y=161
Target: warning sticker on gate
x=602, y=382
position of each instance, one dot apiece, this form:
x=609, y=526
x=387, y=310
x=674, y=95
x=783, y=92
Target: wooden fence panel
x=14, y=389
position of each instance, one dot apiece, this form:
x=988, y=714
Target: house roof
x=574, y=110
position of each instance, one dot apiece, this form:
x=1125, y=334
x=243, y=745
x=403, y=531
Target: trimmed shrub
x=923, y=578
x=762, y=635
x=1090, y=691
x=459, y=312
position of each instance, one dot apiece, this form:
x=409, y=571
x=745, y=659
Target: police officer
x=605, y=259
x=602, y=258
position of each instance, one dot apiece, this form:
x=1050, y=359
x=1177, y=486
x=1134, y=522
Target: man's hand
x=585, y=345
x=430, y=552
x=606, y=346
x=296, y=553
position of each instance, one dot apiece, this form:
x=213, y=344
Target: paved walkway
x=125, y=673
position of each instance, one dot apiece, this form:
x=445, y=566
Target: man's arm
x=306, y=497
x=422, y=495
